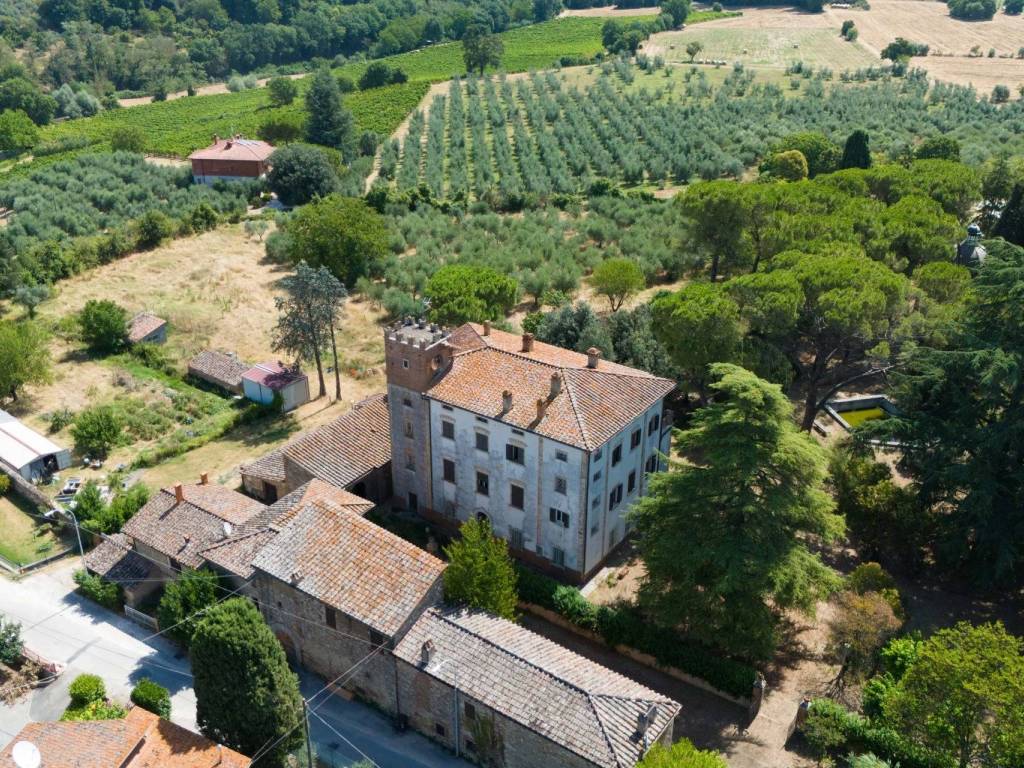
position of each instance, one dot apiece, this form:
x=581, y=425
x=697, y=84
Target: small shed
x=261, y=382
x=146, y=327
x=222, y=369
x=231, y=159
x=28, y=453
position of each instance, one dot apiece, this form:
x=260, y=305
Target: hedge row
x=850, y=732
x=625, y=625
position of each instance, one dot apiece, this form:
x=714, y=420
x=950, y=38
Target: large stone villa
x=551, y=446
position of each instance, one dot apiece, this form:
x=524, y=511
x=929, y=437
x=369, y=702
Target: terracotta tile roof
x=183, y=530
x=115, y=561
x=340, y=453
x=351, y=564
x=574, y=702
x=236, y=554
x=235, y=148
x=140, y=740
x=591, y=406
x=273, y=375
x=218, y=367
x=143, y=324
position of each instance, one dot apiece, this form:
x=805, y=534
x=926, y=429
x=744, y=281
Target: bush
x=86, y=689
x=571, y=604
x=1000, y=94
x=5, y=483
x=203, y=217
x=190, y=593
x=1013, y=7
x=152, y=697
x=59, y=419
x=301, y=172
x=283, y=91
x=152, y=228
x=17, y=131
x=95, y=710
x=972, y=10
x=869, y=577
x=104, y=326
x=128, y=138
x=105, y=593
x=379, y=74
x=10, y=640
x=96, y=430
x=280, y=130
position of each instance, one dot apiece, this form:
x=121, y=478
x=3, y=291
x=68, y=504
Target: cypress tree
x=857, y=152
x=328, y=121
x=1011, y=221
x=246, y=696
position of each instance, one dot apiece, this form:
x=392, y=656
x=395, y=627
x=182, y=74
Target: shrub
x=790, y=165
x=95, y=710
x=346, y=84
x=59, y=419
x=128, y=138
x=1000, y=94
x=826, y=726
x=17, y=131
x=972, y=10
x=104, y=326
x=280, y=130
x=899, y=655
x=1013, y=7
x=379, y=74
x=190, y=593
x=875, y=692
x=5, y=484
x=105, y=593
x=96, y=430
x=10, y=639
x=86, y=689
x=283, y=91
x=869, y=577
x=152, y=697
x=301, y=172
x=203, y=217
x=152, y=228
x=571, y=604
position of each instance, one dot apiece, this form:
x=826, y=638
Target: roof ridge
x=234, y=539
x=569, y=387
x=604, y=731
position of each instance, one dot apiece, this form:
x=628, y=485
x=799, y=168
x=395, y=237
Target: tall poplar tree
x=328, y=121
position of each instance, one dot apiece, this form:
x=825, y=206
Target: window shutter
x=565, y=520
x=551, y=513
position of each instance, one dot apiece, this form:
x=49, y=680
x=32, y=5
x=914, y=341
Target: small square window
x=439, y=729
x=631, y=482
x=515, y=538
x=595, y=503
x=470, y=711
x=407, y=402
x=598, y=454
x=410, y=462
x=405, y=363
x=481, y=419
x=482, y=443
x=561, y=486
x=561, y=455
x=448, y=429
x=653, y=424
x=558, y=557
x=595, y=528
x=449, y=470
x=483, y=484
x=616, y=455
x=447, y=408
x=330, y=617
x=517, y=432
x=515, y=453
x=597, y=475
x=558, y=517
x=408, y=429
x=515, y=499
x=634, y=439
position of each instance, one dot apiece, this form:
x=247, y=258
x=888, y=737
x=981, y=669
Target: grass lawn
x=22, y=541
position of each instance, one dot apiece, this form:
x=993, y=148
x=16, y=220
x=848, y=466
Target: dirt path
x=203, y=90
x=609, y=11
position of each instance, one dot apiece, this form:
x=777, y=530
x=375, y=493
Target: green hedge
x=152, y=697
x=98, y=590
x=849, y=732
x=626, y=625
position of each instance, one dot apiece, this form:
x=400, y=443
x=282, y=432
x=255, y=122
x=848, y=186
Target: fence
x=143, y=619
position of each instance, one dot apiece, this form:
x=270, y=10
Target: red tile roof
x=182, y=531
x=143, y=324
x=234, y=149
x=340, y=453
x=351, y=564
x=140, y=740
x=273, y=375
x=591, y=406
x=219, y=368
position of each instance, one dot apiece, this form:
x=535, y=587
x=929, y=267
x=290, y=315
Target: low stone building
x=352, y=452
x=488, y=688
x=222, y=369
x=147, y=328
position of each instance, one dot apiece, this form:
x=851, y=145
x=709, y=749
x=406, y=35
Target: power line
x=338, y=734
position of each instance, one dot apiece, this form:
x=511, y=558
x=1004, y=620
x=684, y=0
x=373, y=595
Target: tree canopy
x=24, y=357
x=104, y=326
x=328, y=121
x=246, y=695
x=480, y=572
x=343, y=234
x=617, y=280
x=481, y=49
x=462, y=293
x=724, y=534
x=301, y=172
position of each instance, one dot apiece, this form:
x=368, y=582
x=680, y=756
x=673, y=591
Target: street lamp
x=458, y=736
x=78, y=533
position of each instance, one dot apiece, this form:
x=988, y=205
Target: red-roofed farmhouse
x=231, y=159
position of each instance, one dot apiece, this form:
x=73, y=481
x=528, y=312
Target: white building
x=551, y=446
x=28, y=453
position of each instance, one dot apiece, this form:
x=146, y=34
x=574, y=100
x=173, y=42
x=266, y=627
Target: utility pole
x=309, y=743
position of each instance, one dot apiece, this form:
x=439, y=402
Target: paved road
x=63, y=627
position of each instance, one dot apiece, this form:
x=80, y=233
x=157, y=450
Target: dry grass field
x=216, y=290
x=765, y=37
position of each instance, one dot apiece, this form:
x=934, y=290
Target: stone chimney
x=593, y=357
x=204, y=478
x=527, y=342
x=487, y=327
x=542, y=407
x=427, y=652
x=179, y=493
x=506, y=402
x=556, y=385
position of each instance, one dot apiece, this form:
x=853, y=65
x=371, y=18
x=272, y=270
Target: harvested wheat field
x=777, y=37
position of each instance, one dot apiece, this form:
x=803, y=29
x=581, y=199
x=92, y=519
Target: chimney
x=487, y=327
x=296, y=577
x=228, y=144
x=179, y=493
x=527, y=342
x=542, y=407
x=593, y=356
x=204, y=479
x=216, y=138
x=556, y=385
x=426, y=652
x=506, y=402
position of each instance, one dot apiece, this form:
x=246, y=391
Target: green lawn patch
x=22, y=539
